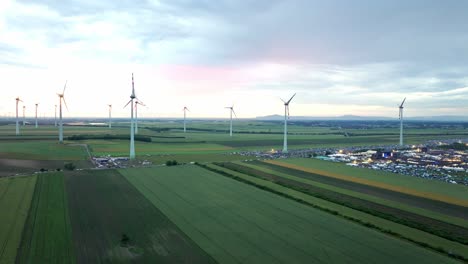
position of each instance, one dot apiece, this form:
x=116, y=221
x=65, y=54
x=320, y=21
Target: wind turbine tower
x=17, y=119
x=185, y=110
x=55, y=115
x=24, y=115
x=110, y=116
x=36, y=114
x=61, y=97
x=132, y=130
x=286, y=117
x=231, y=111
x=401, y=121
x=138, y=102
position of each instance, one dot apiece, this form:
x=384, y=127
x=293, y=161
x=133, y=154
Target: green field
x=41, y=150
x=104, y=207
x=285, y=210
x=364, y=218
x=15, y=199
x=235, y=222
x=47, y=234
x=458, y=192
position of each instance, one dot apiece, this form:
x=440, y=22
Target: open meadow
x=235, y=222
x=15, y=199
x=225, y=207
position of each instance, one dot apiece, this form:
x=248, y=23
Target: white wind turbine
x=61, y=97
x=17, y=119
x=138, y=102
x=36, y=114
x=24, y=115
x=231, y=111
x=110, y=116
x=55, y=115
x=401, y=121
x=286, y=117
x=132, y=130
x=185, y=110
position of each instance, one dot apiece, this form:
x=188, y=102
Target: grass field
x=364, y=218
x=41, y=150
x=235, y=222
x=456, y=194
x=104, y=207
x=404, y=202
x=306, y=182
x=47, y=234
x=15, y=199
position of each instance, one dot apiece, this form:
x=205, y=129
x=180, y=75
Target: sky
x=341, y=57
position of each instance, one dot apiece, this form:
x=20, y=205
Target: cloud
x=351, y=56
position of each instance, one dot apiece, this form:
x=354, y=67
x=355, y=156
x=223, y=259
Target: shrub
x=171, y=163
x=70, y=166
x=124, y=241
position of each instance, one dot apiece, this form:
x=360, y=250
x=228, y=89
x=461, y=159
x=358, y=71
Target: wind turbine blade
x=234, y=112
x=283, y=100
x=291, y=98
x=127, y=103
x=65, y=87
x=403, y=102
x=287, y=110
x=65, y=102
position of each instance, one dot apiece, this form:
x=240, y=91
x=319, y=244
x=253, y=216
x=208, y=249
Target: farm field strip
x=362, y=195
x=419, y=184
x=284, y=230
x=104, y=206
x=15, y=199
x=401, y=189
x=40, y=150
x=47, y=236
x=437, y=206
x=404, y=231
x=427, y=224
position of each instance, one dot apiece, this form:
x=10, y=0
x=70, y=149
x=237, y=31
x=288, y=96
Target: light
x=341, y=151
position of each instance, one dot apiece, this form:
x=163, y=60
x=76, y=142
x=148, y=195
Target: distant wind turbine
x=36, y=114
x=132, y=130
x=17, y=119
x=55, y=115
x=138, y=102
x=61, y=97
x=110, y=116
x=185, y=110
x=231, y=111
x=286, y=117
x=24, y=115
x=401, y=121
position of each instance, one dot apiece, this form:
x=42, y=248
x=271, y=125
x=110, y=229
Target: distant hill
x=449, y=118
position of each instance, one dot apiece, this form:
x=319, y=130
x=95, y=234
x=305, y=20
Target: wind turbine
x=401, y=121
x=17, y=119
x=286, y=117
x=61, y=97
x=230, y=112
x=185, y=110
x=132, y=130
x=55, y=115
x=138, y=102
x=24, y=115
x=36, y=114
x=110, y=116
